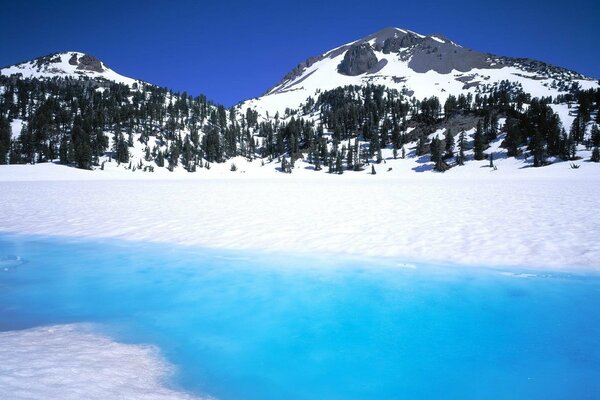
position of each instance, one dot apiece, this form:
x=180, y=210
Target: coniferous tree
x=437, y=155
x=350, y=158
x=595, y=135
x=317, y=162
x=160, y=159
x=493, y=129
x=82, y=152
x=461, y=148
x=64, y=151
x=5, y=139
x=338, y=164
x=449, y=144
x=422, y=145
x=596, y=154
x=121, y=149
x=539, y=150
x=513, y=139
x=478, y=144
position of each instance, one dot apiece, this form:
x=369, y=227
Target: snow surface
x=16, y=125
x=534, y=217
x=67, y=362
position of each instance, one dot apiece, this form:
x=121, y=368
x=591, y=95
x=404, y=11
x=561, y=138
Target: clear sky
x=234, y=50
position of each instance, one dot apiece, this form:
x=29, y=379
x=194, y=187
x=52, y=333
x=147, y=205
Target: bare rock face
x=394, y=44
x=359, y=59
x=89, y=63
x=73, y=59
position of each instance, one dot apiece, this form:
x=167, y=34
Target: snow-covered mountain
x=416, y=65
x=393, y=103
x=71, y=64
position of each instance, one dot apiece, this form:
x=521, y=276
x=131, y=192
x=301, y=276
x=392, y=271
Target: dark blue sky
x=232, y=51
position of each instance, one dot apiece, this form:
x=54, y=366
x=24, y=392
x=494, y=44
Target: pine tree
x=449, y=144
x=595, y=136
x=422, y=145
x=596, y=154
x=160, y=159
x=350, y=158
x=539, y=150
x=330, y=161
x=437, y=149
x=317, y=161
x=478, y=145
x=5, y=139
x=461, y=148
x=64, y=151
x=82, y=152
x=514, y=137
x=493, y=129
x=285, y=166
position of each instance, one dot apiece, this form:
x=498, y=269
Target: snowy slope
x=418, y=65
x=70, y=64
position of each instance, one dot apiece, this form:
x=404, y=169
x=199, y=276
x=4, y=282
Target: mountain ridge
x=398, y=58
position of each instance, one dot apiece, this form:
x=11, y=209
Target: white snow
x=68, y=362
x=533, y=217
x=16, y=125
x=564, y=113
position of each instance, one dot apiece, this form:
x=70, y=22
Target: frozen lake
x=257, y=326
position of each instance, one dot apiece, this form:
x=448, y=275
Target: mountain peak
x=68, y=64
x=416, y=65
x=386, y=33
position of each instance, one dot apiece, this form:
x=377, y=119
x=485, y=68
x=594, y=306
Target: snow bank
x=66, y=362
x=528, y=219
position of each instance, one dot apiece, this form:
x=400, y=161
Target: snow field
x=66, y=362
x=478, y=217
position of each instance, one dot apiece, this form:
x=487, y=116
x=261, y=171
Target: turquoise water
x=246, y=326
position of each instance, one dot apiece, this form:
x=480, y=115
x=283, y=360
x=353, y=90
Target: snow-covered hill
x=69, y=64
x=418, y=66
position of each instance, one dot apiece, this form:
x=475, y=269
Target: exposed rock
x=90, y=63
x=46, y=60
x=466, y=78
x=359, y=59
x=456, y=123
x=469, y=85
x=446, y=57
x=73, y=59
x=394, y=44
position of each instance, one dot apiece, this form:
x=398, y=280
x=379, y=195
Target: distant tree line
x=77, y=121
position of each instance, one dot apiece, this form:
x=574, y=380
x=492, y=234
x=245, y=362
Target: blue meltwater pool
x=255, y=326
